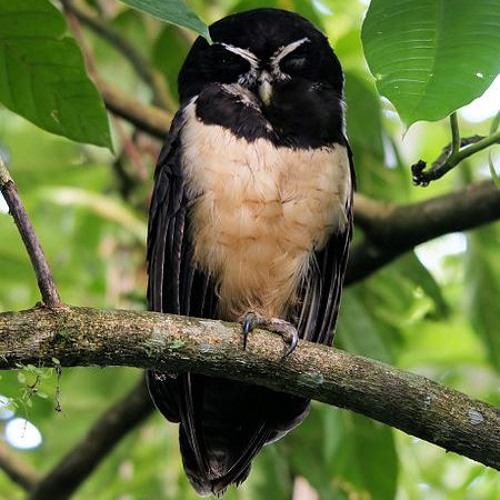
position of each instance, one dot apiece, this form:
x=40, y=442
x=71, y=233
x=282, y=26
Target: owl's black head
x=282, y=43
x=283, y=60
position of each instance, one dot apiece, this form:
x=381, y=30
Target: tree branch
x=99, y=441
x=149, y=119
x=142, y=66
x=414, y=404
x=390, y=230
x=46, y=283
x=452, y=154
x=16, y=468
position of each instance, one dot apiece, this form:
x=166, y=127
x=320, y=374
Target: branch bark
x=45, y=279
x=414, y=404
x=391, y=229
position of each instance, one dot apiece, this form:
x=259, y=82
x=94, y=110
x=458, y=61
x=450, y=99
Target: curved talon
x=294, y=342
x=248, y=324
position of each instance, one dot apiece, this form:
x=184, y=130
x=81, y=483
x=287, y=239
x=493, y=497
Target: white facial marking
x=250, y=76
x=245, y=54
x=280, y=54
x=257, y=74
x=287, y=49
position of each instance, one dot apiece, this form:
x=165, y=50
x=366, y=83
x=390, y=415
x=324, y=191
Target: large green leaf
x=42, y=74
x=172, y=11
x=412, y=269
x=271, y=476
x=432, y=56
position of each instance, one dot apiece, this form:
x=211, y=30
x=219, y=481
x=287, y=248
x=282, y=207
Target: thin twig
x=132, y=151
x=455, y=133
x=75, y=27
x=477, y=146
x=150, y=119
x=448, y=159
x=45, y=279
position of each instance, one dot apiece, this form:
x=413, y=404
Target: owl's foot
x=286, y=330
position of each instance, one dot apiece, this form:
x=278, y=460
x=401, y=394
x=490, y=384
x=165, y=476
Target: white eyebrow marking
x=287, y=49
x=245, y=54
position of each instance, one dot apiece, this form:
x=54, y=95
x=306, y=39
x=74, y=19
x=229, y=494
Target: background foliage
x=434, y=311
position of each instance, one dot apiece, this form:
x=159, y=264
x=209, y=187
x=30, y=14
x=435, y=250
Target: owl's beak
x=265, y=87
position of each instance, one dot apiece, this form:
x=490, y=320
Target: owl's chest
x=254, y=197
x=258, y=212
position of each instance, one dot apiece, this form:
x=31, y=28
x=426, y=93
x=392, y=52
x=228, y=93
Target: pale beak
x=265, y=87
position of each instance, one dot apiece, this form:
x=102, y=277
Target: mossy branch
x=414, y=404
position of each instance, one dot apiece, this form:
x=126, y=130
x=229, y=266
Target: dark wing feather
x=175, y=285
x=163, y=252
x=223, y=424
x=319, y=296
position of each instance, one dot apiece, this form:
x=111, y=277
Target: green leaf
x=366, y=136
x=431, y=57
x=42, y=74
x=172, y=11
x=305, y=8
x=495, y=177
x=270, y=477
x=412, y=269
x=366, y=455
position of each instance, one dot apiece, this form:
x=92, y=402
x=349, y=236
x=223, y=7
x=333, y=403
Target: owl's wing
x=320, y=293
x=175, y=284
